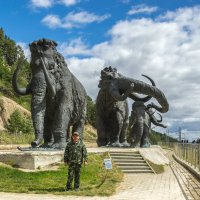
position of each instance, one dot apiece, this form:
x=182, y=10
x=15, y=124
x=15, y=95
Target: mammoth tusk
x=160, y=120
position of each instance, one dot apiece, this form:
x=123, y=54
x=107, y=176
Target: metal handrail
x=188, y=152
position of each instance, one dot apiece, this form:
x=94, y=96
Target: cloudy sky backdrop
x=158, y=38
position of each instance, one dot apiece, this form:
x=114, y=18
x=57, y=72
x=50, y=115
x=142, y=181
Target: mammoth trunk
x=143, y=88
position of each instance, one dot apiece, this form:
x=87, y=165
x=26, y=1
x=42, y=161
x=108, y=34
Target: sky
x=158, y=38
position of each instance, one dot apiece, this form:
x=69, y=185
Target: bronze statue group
x=59, y=102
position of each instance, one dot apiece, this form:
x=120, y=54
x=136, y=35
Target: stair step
x=122, y=156
x=128, y=161
x=133, y=167
x=124, y=153
x=136, y=152
x=131, y=164
x=136, y=171
x=125, y=158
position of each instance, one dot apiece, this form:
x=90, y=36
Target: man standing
x=75, y=155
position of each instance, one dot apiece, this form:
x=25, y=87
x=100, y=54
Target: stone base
x=31, y=160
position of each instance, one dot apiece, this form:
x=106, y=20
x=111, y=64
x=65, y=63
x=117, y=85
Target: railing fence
x=188, y=152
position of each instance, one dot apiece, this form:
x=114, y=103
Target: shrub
x=19, y=123
x=5, y=71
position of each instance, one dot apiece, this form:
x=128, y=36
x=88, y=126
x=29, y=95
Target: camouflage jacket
x=75, y=153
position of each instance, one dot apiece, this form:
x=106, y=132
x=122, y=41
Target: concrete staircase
x=130, y=162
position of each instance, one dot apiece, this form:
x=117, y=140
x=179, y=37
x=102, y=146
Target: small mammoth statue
x=140, y=124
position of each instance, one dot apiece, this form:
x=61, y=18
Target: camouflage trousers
x=74, y=171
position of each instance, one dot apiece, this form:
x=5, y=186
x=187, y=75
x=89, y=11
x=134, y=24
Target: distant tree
x=18, y=123
x=156, y=137
x=1, y=43
x=91, y=111
x=10, y=51
x=5, y=72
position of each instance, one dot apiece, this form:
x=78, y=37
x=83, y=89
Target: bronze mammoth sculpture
x=58, y=98
x=112, y=109
x=140, y=124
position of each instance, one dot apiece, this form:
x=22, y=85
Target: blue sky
x=158, y=38
x=22, y=19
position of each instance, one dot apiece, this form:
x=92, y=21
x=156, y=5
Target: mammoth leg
x=48, y=134
x=38, y=107
x=68, y=134
x=137, y=131
x=38, y=120
x=102, y=138
x=132, y=135
x=145, y=137
x=115, y=129
x=61, y=122
x=48, y=123
x=123, y=135
x=79, y=126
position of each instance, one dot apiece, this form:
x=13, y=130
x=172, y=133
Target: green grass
x=7, y=138
x=157, y=168
x=53, y=182
x=90, y=136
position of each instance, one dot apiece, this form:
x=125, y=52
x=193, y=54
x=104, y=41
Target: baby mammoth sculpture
x=140, y=124
x=112, y=112
x=58, y=98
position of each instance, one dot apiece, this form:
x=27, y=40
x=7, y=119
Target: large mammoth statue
x=112, y=111
x=111, y=116
x=140, y=124
x=58, y=98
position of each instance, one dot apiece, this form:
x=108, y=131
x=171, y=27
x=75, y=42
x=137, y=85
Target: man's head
x=75, y=137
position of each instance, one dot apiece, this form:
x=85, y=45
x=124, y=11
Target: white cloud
x=42, y=3
x=69, y=2
x=142, y=9
x=73, y=19
x=87, y=71
x=166, y=49
x=50, y=3
x=84, y=17
x=74, y=47
x=52, y=21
